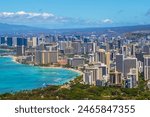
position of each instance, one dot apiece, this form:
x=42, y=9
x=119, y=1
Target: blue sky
x=75, y=13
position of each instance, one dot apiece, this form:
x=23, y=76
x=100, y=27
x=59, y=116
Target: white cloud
x=25, y=15
x=107, y=21
x=48, y=20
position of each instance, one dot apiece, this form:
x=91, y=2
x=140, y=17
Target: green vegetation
x=75, y=90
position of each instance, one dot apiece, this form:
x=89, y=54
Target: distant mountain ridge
x=121, y=29
x=11, y=28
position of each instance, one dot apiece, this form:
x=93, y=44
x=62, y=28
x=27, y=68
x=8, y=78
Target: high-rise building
x=103, y=69
x=91, y=58
x=113, y=54
x=132, y=50
x=46, y=54
x=131, y=79
x=76, y=47
x=140, y=67
x=91, y=74
x=130, y=63
x=89, y=47
x=68, y=50
x=20, y=51
x=88, y=77
x=147, y=67
x=30, y=43
x=119, y=62
x=62, y=45
x=34, y=41
x=146, y=49
x=76, y=61
x=14, y=44
x=43, y=57
x=101, y=56
x=119, y=44
x=9, y=41
x=21, y=42
x=115, y=78
x=2, y=40
x=107, y=61
x=124, y=50
x=98, y=72
x=128, y=83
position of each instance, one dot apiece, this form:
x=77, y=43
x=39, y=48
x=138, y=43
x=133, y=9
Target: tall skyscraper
x=130, y=63
x=119, y=62
x=91, y=58
x=2, y=40
x=115, y=78
x=62, y=45
x=97, y=74
x=103, y=70
x=34, y=41
x=91, y=74
x=44, y=57
x=46, y=54
x=124, y=50
x=14, y=41
x=76, y=47
x=88, y=77
x=101, y=56
x=20, y=51
x=146, y=49
x=107, y=62
x=90, y=47
x=147, y=67
x=133, y=50
x=21, y=42
x=30, y=43
x=131, y=78
x=9, y=41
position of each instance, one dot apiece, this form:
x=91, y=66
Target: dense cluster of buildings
x=104, y=60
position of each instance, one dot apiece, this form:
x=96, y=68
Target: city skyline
x=75, y=14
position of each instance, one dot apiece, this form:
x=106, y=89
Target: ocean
x=16, y=77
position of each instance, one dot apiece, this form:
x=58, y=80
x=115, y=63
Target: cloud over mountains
x=46, y=19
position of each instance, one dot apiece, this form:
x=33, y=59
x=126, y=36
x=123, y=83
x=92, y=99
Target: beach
x=74, y=70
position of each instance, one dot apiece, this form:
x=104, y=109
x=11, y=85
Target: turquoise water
x=15, y=77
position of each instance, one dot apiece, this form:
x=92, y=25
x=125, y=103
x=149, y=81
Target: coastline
x=72, y=77
x=14, y=59
x=71, y=69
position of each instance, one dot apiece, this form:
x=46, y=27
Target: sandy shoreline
x=14, y=58
x=74, y=70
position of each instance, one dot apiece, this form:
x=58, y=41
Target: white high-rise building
x=97, y=72
x=91, y=58
x=34, y=41
x=43, y=57
x=101, y=56
x=88, y=77
x=14, y=39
